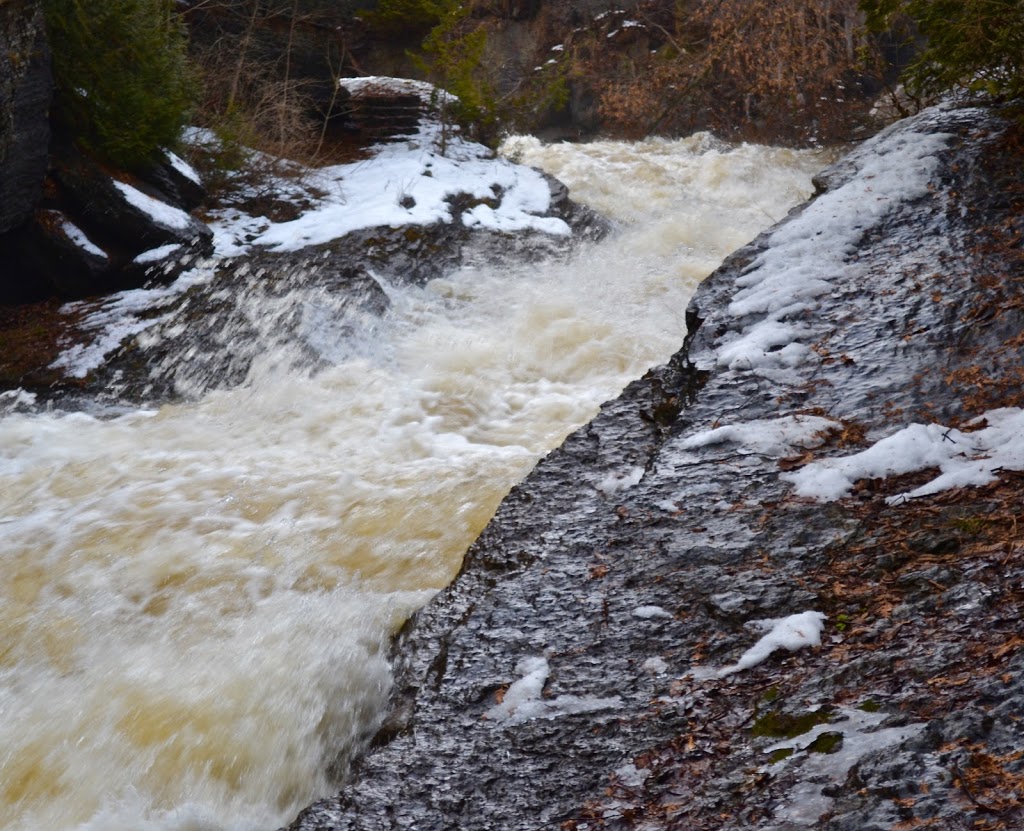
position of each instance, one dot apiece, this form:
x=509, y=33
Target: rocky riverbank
x=590, y=668
x=408, y=211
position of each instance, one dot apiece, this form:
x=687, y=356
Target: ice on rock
x=804, y=802
x=806, y=257
x=652, y=613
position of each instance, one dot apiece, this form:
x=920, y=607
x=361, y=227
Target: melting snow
x=805, y=802
x=652, y=612
x=631, y=776
x=807, y=255
x=655, y=666
x=78, y=237
x=792, y=633
x=118, y=317
x=777, y=436
x=964, y=458
x=620, y=481
x=523, y=702
x=161, y=212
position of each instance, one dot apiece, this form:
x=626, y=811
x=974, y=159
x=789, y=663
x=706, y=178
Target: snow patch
x=78, y=237
x=963, y=458
x=154, y=255
x=183, y=167
x=776, y=437
x=160, y=212
x=792, y=633
x=655, y=666
x=652, y=613
x=522, y=701
x=620, y=481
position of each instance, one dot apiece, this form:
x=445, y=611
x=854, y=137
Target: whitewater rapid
x=197, y=599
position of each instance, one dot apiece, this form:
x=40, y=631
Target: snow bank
x=792, y=633
x=522, y=701
x=402, y=184
x=963, y=458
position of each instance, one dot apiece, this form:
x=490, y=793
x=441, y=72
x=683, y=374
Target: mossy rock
x=779, y=725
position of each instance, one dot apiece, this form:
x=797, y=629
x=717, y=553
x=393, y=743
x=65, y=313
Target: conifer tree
x=979, y=43
x=124, y=84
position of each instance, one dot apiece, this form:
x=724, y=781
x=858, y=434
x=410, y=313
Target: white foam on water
x=197, y=599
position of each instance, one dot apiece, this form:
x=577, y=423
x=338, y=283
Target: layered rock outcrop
x=572, y=675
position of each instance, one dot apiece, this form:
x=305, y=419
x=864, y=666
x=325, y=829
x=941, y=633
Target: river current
x=196, y=600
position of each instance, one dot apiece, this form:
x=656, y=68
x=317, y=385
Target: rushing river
x=196, y=601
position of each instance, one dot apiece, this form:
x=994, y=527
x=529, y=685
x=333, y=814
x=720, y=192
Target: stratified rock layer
x=626, y=567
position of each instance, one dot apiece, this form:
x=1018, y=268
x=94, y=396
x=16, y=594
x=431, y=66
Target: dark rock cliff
x=566, y=678
x=26, y=85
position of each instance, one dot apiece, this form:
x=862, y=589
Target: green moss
x=408, y=19
x=870, y=706
x=969, y=526
x=785, y=726
x=828, y=742
x=778, y=755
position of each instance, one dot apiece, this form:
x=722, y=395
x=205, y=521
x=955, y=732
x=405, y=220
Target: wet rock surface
x=567, y=678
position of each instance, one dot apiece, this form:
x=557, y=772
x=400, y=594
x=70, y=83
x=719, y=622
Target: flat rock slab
x=571, y=675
